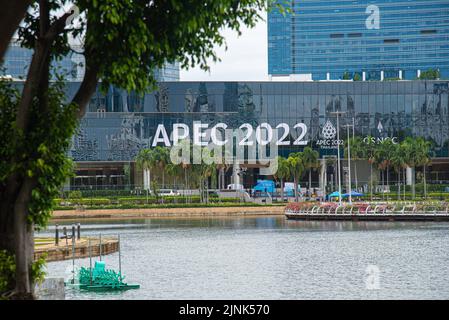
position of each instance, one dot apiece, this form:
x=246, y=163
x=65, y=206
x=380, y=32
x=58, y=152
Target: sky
x=245, y=60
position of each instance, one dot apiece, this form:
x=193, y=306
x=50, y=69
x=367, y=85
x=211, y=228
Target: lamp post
x=349, y=162
x=338, y=114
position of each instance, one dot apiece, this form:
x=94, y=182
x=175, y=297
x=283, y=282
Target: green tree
x=370, y=155
x=358, y=152
x=382, y=157
x=430, y=74
x=422, y=150
x=346, y=76
x=297, y=168
x=175, y=171
x=146, y=161
x=161, y=159
x=399, y=164
x=282, y=173
x=411, y=158
x=310, y=159
x=124, y=41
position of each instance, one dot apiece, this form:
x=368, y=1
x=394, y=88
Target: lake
x=269, y=257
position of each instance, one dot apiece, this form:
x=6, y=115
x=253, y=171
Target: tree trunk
x=12, y=12
x=371, y=181
x=425, y=184
x=356, y=176
x=383, y=184
x=399, y=184
x=296, y=189
x=282, y=190
x=24, y=242
x=388, y=183
x=310, y=183
x=404, y=174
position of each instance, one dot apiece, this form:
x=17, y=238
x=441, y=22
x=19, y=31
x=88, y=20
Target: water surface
x=273, y=258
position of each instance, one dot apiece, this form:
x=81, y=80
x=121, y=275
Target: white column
x=418, y=73
x=363, y=76
x=323, y=175
x=409, y=176
x=328, y=76
x=145, y=179
x=400, y=74
x=382, y=75
x=235, y=170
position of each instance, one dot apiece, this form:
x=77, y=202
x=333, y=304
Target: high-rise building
x=381, y=39
x=17, y=61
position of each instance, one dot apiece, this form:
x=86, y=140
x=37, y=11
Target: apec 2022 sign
x=264, y=134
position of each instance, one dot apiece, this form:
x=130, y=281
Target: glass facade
x=119, y=124
x=398, y=37
x=17, y=60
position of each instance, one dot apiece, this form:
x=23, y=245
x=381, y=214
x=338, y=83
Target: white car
x=235, y=186
x=168, y=192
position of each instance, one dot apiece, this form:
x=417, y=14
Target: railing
x=371, y=209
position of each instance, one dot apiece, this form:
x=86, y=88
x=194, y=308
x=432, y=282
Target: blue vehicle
x=264, y=186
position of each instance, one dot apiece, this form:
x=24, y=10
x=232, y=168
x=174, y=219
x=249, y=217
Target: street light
x=338, y=114
x=349, y=161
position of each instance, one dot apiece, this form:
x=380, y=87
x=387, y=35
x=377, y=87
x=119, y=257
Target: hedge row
x=138, y=200
x=169, y=205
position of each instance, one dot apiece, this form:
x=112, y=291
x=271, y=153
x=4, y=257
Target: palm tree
x=411, y=158
x=145, y=161
x=161, y=158
x=310, y=162
x=389, y=148
x=297, y=168
x=370, y=155
x=282, y=173
x=399, y=163
x=175, y=171
x=422, y=151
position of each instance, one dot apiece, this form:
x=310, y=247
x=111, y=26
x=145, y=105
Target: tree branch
x=86, y=89
x=57, y=27
x=11, y=13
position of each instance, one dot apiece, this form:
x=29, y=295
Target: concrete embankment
x=167, y=212
x=63, y=251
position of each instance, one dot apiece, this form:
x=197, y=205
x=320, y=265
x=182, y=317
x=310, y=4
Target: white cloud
x=246, y=58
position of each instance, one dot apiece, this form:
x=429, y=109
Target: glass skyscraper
x=17, y=61
x=379, y=39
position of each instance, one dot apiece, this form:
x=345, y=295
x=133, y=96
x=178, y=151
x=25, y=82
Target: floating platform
x=368, y=216
x=63, y=251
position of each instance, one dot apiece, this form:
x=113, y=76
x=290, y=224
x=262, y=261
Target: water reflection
x=273, y=258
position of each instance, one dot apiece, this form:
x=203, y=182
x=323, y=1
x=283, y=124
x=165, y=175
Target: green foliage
x=126, y=40
x=173, y=205
x=7, y=271
x=40, y=154
x=283, y=171
x=430, y=74
x=37, y=269
x=75, y=194
x=346, y=76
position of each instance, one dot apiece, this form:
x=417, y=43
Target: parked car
x=235, y=186
x=168, y=192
